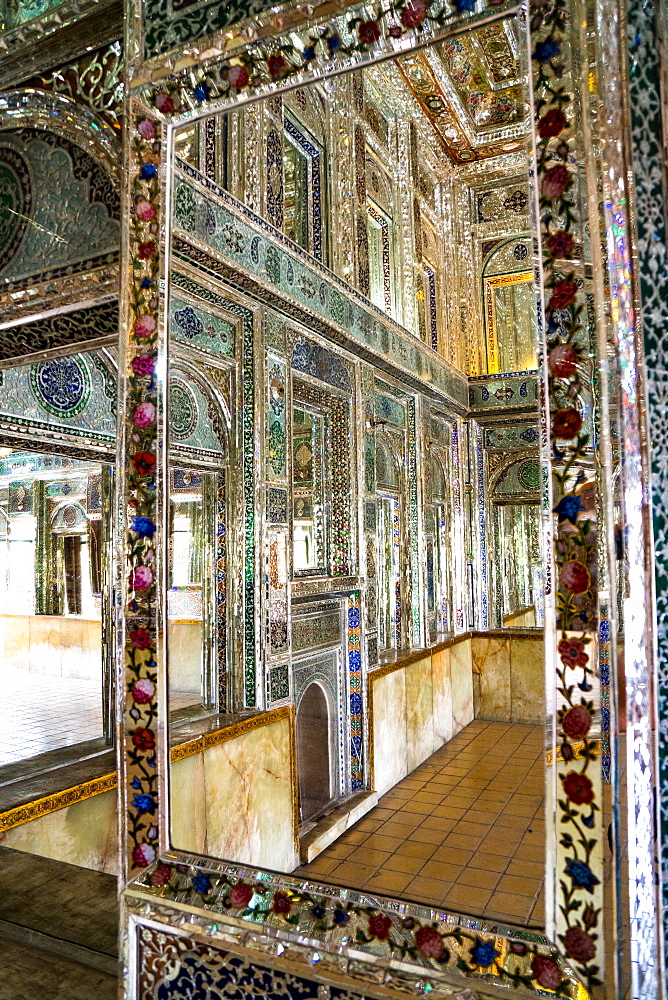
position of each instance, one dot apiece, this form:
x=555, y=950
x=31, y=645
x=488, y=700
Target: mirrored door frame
x=213, y=82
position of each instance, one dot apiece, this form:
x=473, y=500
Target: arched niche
x=314, y=751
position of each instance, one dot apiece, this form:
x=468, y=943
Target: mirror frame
x=165, y=91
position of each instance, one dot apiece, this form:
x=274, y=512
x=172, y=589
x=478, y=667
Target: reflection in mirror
x=382, y=657
x=53, y=533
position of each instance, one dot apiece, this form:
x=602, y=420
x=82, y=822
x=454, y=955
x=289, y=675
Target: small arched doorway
x=313, y=752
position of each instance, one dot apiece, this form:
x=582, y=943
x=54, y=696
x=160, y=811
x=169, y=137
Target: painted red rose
x=563, y=295
x=562, y=360
x=379, y=927
x=574, y=576
x=141, y=638
x=281, y=903
x=161, y=875
x=429, y=942
x=146, y=250
x=238, y=77
x=578, y=944
x=555, y=181
x=413, y=13
x=552, y=124
x=572, y=653
x=546, y=972
x=578, y=788
x=566, y=423
x=163, y=102
x=369, y=32
x=143, y=462
x=560, y=244
x=577, y=722
x=143, y=739
x=276, y=65
x=241, y=895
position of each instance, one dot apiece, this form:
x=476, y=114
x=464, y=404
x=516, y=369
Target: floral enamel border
x=369, y=33
x=427, y=939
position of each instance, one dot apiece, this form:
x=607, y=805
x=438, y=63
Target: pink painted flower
x=413, y=13
x=143, y=691
x=143, y=855
x=577, y=722
x=163, y=102
x=145, y=325
x=574, y=576
x=563, y=295
x=144, y=209
x=546, y=972
x=144, y=364
x=369, y=32
x=579, y=945
x=146, y=129
x=562, y=360
x=141, y=638
x=144, y=415
x=241, y=895
x=276, y=65
x=237, y=77
x=429, y=942
x=146, y=250
x=141, y=578
x=161, y=874
x=555, y=181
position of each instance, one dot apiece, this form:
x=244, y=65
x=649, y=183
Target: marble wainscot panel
x=419, y=713
x=441, y=698
x=461, y=678
x=491, y=677
x=390, y=753
x=527, y=679
x=51, y=644
x=241, y=800
x=83, y=834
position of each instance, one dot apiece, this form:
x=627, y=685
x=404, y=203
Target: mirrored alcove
x=377, y=706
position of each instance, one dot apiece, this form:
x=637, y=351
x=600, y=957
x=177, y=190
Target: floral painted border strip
x=411, y=934
x=578, y=906
x=139, y=439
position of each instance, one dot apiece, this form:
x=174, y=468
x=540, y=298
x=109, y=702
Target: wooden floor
x=32, y=974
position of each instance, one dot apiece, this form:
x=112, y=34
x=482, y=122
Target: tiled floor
x=464, y=831
x=40, y=712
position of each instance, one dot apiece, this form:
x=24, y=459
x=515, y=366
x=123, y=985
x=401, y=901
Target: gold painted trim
x=594, y=747
x=59, y=800
x=77, y=793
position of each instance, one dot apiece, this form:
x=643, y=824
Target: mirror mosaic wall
x=385, y=675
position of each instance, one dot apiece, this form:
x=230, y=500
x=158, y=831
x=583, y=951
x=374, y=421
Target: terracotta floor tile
x=388, y=882
x=369, y=856
x=455, y=856
x=478, y=877
x=426, y=835
x=354, y=837
x=379, y=842
x=441, y=869
x=468, y=898
x=403, y=863
x=526, y=869
x=415, y=849
x=352, y=874
x=461, y=841
x=427, y=889
x=518, y=885
x=513, y=906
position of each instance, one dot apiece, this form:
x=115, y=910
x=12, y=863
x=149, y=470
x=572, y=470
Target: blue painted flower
x=340, y=918
x=201, y=92
x=202, y=883
x=317, y=912
x=581, y=874
x=148, y=172
x=136, y=783
x=308, y=54
x=546, y=50
x=353, y=617
x=483, y=953
x=145, y=282
x=333, y=43
x=463, y=5
x=144, y=527
x=355, y=703
x=568, y=508
x=354, y=659
x=589, y=821
x=144, y=804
